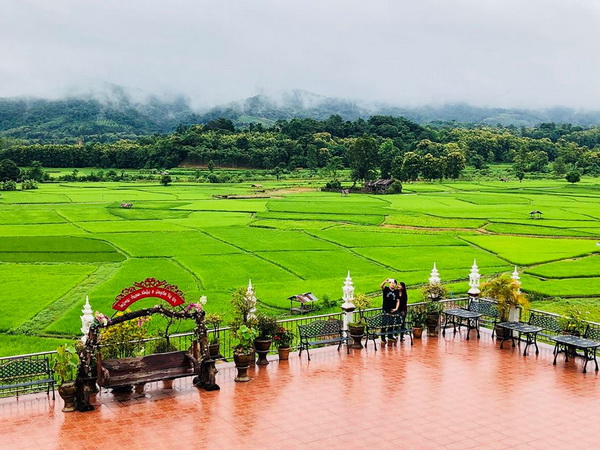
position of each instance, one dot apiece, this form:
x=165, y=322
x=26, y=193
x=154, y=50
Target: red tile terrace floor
x=440, y=393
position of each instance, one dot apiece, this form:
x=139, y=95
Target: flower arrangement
x=101, y=319
x=124, y=339
x=194, y=308
x=283, y=337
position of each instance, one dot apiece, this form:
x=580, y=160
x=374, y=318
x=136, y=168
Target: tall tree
x=9, y=170
x=387, y=153
x=362, y=157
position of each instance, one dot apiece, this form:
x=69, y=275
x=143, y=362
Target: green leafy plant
x=242, y=307
x=433, y=307
x=507, y=294
x=283, y=338
x=163, y=345
x=434, y=291
x=245, y=339
x=362, y=302
x=214, y=321
x=572, y=322
x=66, y=364
x=267, y=326
x=418, y=316
x=125, y=339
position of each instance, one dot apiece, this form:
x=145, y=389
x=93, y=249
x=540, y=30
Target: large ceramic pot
x=356, y=333
x=433, y=321
x=67, y=392
x=284, y=353
x=242, y=362
x=214, y=350
x=262, y=347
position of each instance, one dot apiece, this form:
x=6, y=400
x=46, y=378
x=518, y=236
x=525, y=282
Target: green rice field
x=65, y=241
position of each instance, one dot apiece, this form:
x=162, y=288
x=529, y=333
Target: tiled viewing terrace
x=440, y=393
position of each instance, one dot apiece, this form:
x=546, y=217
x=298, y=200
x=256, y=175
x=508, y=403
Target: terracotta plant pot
x=417, y=332
x=242, y=362
x=262, y=347
x=67, y=392
x=284, y=353
x=167, y=384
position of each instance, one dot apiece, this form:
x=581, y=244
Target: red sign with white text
x=149, y=288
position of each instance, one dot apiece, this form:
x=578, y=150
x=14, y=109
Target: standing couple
x=395, y=300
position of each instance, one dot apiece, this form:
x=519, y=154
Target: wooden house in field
x=304, y=303
x=535, y=214
x=378, y=187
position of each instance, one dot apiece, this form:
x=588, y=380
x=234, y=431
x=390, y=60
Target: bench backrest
x=485, y=308
x=592, y=332
x=548, y=323
x=150, y=363
x=385, y=320
x=25, y=368
x=320, y=328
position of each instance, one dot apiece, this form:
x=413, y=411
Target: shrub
x=395, y=188
x=28, y=184
x=9, y=185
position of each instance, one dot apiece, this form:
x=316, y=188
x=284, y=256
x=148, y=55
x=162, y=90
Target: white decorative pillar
x=252, y=300
x=435, y=276
x=474, y=278
x=86, y=319
x=348, y=307
x=514, y=313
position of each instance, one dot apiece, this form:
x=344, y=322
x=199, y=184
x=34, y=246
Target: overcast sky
x=511, y=53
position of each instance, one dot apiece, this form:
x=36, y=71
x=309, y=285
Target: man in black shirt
x=391, y=299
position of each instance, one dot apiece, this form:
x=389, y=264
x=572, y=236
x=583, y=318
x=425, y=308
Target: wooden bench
x=26, y=376
x=569, y=345
x=320, y=332
x=146, y=369
x=386, y=325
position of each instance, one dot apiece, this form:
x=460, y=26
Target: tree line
x=381, y=146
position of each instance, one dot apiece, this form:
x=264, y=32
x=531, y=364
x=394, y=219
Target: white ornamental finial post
x=86, y=319
x=474, y=278
x=252, y=300
x=515, y=276
x=348, y=306
x=435, y=276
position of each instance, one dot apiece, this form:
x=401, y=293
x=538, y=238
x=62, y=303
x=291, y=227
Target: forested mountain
x=116, y=116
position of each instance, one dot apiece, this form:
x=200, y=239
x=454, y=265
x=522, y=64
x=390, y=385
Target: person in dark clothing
x=391, y=300
x=403, y=307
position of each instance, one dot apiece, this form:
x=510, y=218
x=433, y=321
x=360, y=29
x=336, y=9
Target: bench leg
x=555, y=353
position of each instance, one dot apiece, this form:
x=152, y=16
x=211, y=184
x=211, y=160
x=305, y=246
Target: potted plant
x=418, y=320
x=213, y=321
x=283, y=339
x=65, y=366
x=357, y=329
x=508, y=296
x=433, y=309
x=267, y=327
x=242, y=353
x=572, y=322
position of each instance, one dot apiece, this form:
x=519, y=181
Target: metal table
x=456, y=317
x=567, y=343
x=530, y=332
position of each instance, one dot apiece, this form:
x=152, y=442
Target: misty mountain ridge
x=114, y=113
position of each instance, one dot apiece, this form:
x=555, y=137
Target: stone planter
x=284, y=353
x=242, y=362
x=214, y=350
x=262, y=347
x=67, y=392
x=433, y=322
x=356, y=333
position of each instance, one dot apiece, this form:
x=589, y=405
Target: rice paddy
x=65, y=241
